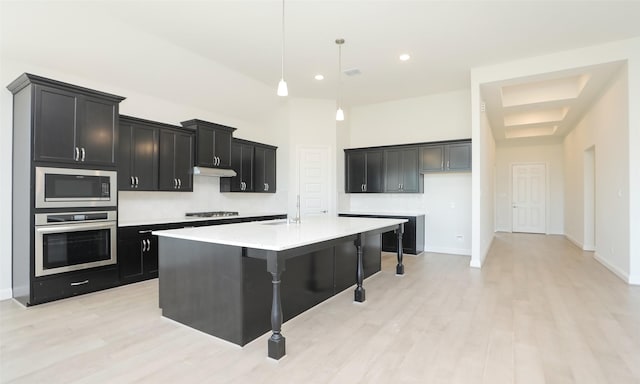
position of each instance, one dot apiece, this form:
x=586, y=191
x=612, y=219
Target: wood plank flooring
x=540, y=311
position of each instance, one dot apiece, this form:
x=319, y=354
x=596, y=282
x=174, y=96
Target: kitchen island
x=213, y=278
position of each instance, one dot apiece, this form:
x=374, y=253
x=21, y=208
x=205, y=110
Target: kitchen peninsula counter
x=213, y=278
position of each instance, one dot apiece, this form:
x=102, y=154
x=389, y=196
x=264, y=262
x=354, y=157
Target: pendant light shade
x=282, y=85
x=339, y=112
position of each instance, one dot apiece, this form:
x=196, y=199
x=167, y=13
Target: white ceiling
x=445, y=38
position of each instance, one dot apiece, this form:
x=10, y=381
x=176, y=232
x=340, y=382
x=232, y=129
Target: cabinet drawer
x=73, y=283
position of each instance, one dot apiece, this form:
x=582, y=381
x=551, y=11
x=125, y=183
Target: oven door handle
x=57, y=228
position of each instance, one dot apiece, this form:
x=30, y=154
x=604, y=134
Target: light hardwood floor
x=540, y=311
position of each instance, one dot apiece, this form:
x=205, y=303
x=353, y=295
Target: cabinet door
x=459, y=157
x=144, y=158
x=130, y=251
x=266, y=165
x=247, y=167
x=393, y=170
x=150, y=258
x=205, y=138
x=55, y=125
x=166, y=154
x=125, y=155
x=183, y=161
x=222, y=148
x=270, y=170
x=97, y=131
x=374, y=173
x=355, y=175
x=410, y=171
x=432, y=158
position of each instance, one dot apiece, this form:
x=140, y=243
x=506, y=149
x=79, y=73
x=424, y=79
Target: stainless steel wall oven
x=73, y=241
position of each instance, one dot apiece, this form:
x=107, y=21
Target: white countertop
x=185, y=219
x=278, y=235
x=394, y=213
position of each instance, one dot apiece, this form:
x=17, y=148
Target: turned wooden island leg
x=276, y=343
x=359, y=294
x=400, y=266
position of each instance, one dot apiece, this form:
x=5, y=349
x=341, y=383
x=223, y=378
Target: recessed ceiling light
x=405, y=57
x=319, y=77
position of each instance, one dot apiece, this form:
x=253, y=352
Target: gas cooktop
x=212, y=214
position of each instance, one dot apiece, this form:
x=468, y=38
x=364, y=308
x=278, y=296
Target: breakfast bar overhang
x=209, y=278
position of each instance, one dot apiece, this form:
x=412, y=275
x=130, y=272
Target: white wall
x=605, y=126
x=624, y=50
x=447, y=197
x=552, y=156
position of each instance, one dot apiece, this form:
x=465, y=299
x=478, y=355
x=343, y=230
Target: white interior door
x=314, y=180
x=529, y=198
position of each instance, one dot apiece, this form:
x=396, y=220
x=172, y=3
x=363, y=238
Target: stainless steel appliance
x=75, y=240
x=75, y=188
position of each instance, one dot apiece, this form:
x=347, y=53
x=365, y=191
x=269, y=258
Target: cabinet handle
x=133, y=183
x=146, y=231
x=137, y=182
x=79, y=283
x=143, y=245
x=175, y=183
x=148, y=244
x=218, y=161
x=76, y=154
x=82, y=154
x=179, y=184
x=362, y=187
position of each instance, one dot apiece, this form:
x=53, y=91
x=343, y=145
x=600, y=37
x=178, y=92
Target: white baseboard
x=6, y=294
x=449, y=251
x=573, y=241
x=616, y=271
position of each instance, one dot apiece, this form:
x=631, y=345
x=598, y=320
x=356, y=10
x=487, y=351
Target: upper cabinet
x=138, y=155
x=255, y=167
x=213, y=143
x=71, y=124
x=364, y=171
x=175, y=161
x=401, y=168
x=449, y=157
x=264, y=173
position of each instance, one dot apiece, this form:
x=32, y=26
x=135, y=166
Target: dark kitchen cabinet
x=402, y=170
x=242, y=155
x=364, y=171
x=138, y=155
x=412, y=237
x=137, y=254
x=264, y=169
x=449, y=157
x=213, y=143
x=71, y=124
x=175, y=161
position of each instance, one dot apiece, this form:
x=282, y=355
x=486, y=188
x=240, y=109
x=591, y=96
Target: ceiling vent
x=352, y=72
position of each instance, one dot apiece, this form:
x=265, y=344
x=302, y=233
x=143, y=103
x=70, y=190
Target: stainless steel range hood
x=213, y=172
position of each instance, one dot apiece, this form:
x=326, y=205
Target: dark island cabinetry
x=71, y=124
x=364, y=171
x=213, y=140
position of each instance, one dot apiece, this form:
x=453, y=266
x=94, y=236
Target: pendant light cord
x=283, y=39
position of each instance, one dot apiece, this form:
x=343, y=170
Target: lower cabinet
x=412, y=237
x=73, y=283
x=137, y=254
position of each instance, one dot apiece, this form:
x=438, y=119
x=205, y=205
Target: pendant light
x=282, y=85
x=339, y=112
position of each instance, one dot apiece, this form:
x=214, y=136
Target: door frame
x=547, y=195
x=331, y=177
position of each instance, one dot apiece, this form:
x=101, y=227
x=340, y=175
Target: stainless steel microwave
x=75, y=188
